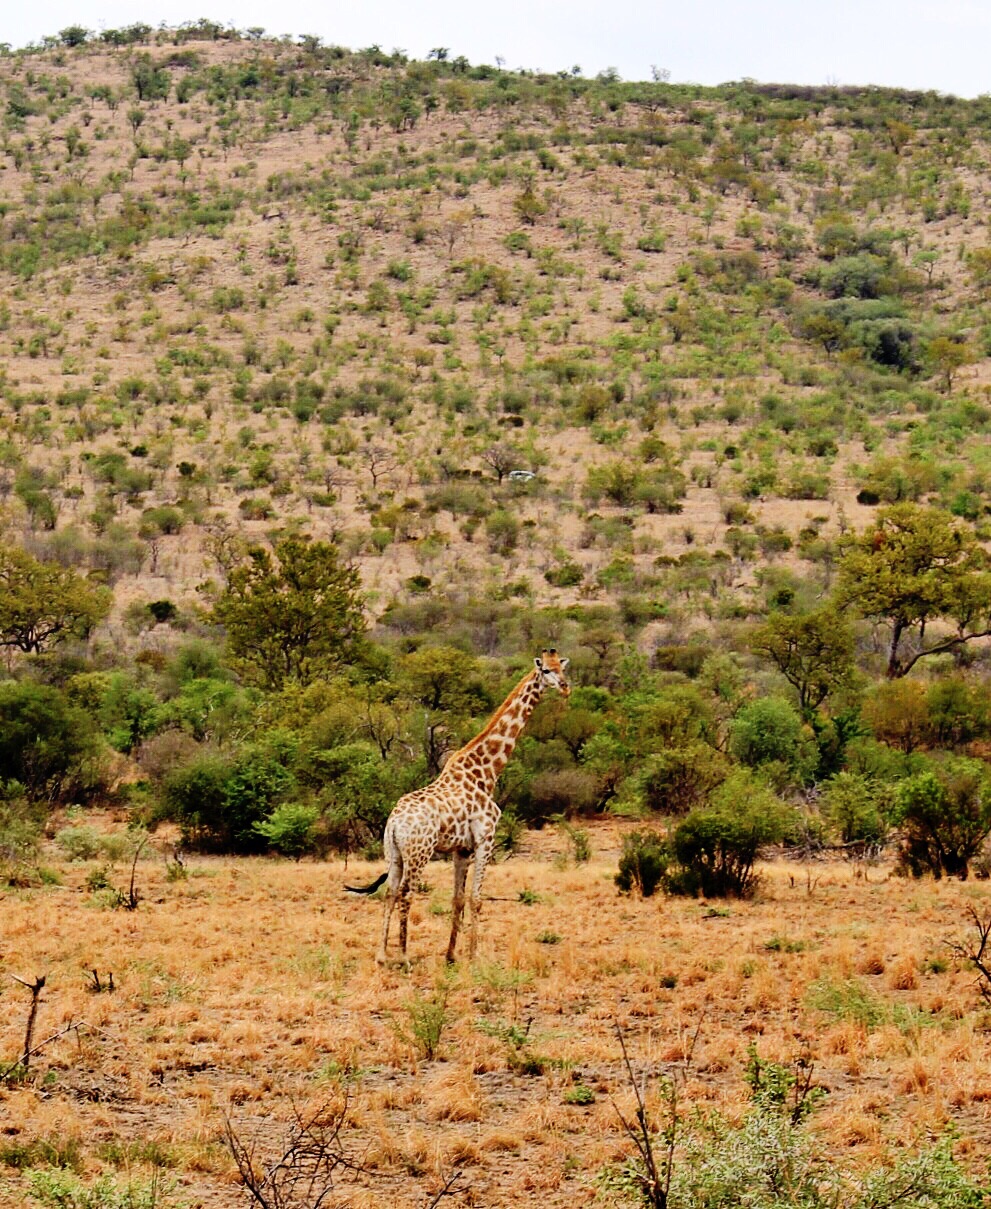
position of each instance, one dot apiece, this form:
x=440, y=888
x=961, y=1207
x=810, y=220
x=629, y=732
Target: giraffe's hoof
x=380, y=959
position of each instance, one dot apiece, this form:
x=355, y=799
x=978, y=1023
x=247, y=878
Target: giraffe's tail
x=370, y=889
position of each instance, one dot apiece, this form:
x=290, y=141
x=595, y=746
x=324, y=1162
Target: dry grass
x=252, y=986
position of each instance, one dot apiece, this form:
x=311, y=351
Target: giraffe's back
x=440, y=817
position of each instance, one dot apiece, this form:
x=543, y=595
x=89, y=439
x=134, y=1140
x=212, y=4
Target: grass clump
x=851, y=1000
x=64, y=1190
x=428, y=1017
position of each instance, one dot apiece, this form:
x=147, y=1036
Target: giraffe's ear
x=538, y=663
x=564, y=663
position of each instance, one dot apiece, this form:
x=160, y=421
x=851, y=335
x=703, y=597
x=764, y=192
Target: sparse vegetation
x=335, y=384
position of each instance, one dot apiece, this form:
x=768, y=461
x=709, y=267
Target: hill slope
x=272, y=287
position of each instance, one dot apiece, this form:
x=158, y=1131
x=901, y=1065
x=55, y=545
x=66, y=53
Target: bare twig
x=641, y=1134
x=978, y=952
x=303, y=1175
x=449, y=1183
x=655, y=1182
x=97, y=987
x=130, y=900
x=23, y=1062
x=35, y=988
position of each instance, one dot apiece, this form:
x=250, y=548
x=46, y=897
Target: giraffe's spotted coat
x=457, y=813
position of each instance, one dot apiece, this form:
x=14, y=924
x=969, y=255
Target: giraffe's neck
x=485, y=756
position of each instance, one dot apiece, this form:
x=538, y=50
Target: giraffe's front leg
x=483, y=854
x=461, y=860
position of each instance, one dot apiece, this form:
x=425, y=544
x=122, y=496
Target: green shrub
x=20, y=826
x=642, y=862
x=503, y=532
x=79, y=843
x=858, y=807
x=217, y=798
x=771, y=1161
x=63, y=1190
x=678, y=778
x=769, y=732
x=715, y=847
x=944, y=813
x=566, y=575
x=428, y=1017
x=163, y=519
x=53, y=1150
x=47, y=745
x=289, y=828
x=753, y=1163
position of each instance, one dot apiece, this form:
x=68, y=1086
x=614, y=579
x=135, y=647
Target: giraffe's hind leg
x=394, y=889
x=405, y=902
x=461, y=860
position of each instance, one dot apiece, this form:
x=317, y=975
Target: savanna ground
x=248, y=990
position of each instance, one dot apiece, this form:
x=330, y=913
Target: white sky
x=937, y=44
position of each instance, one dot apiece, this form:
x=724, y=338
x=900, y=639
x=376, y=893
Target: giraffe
x=457, y=813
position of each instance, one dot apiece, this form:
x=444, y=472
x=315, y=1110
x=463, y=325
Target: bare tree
x=501, y=458
x=378, y=461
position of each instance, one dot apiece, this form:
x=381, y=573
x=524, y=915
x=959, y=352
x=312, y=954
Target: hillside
x=282, y=288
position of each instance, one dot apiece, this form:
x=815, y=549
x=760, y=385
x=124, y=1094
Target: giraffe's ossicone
x=457, y=813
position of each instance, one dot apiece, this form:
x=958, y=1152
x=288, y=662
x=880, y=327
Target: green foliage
x=769, y=734
x=81, y=842
x=775, y=1087
x=43, y=603
x=768, y=1157
x=217, y=798
x=642, y=862
x=858, y=807
x=715, y=847
x=20, y=827
x=48, y=746
x=580, y=1094
x=851, y=1000
x=813, y=651
x=444, y=678
x=502, y=528
x=289, y=828
x=64, y=1190
x=151, y=81
x=356, y=789
x=578, y=837
x=291, y=617
x=912, y=567
x=52, y=1150
x=428, y=1017
x=678, y=778
x=944, y=813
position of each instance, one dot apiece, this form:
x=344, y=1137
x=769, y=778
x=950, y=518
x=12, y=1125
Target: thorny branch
x=303, y=1176
x=655, y=1182
x=978, y=952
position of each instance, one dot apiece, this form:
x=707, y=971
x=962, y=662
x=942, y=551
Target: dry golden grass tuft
x=251, y=987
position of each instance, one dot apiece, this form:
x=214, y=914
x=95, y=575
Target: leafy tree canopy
x=290, y=614
x=916, y=565
x=813, y=651
x=42, y=603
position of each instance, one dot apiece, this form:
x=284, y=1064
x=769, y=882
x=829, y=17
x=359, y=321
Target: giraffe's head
x=552, y=668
